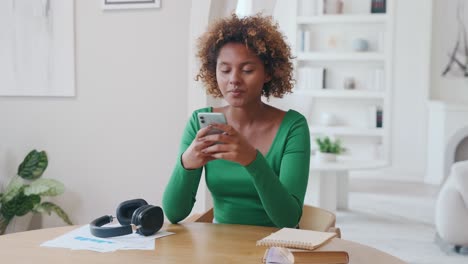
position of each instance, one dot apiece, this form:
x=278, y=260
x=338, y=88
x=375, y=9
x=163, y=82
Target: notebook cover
x=324, y=257
x=296, y=238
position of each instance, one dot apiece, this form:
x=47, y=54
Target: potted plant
x=328, y=149
x=25, y=191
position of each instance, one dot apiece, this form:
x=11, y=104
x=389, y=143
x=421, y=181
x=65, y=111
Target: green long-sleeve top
x=268, y=192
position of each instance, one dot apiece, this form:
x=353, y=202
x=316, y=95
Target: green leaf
x=326, y=145
x=33, y=165
x=48, y=207
x=13, y=189
x=3, y=224
x=15, y=181
x=19, y=205
x=45, y=187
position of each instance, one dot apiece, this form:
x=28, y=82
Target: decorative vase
x=349, y=83
x=333, y=6
x=19, y=224
x=328, y=119
x=360, y=44
x=322, y=157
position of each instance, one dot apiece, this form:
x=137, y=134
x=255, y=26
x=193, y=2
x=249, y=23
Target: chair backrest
x=313, y=218
x=206, y=217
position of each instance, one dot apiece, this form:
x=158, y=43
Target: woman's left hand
x=230, y=145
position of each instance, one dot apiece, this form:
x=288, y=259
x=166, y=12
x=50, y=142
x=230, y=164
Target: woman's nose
x=234, y=78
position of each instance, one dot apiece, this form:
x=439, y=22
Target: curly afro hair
x=260, y=35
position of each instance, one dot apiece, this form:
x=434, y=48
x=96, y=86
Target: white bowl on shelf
x=328, y=119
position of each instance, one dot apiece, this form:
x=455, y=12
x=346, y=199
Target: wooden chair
x=313, y=218
x=318, y=219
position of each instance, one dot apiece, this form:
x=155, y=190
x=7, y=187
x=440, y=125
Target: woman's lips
x=236, y=92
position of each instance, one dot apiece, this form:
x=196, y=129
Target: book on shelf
x=333, y=6
x=296, y=238
x=305, y=40
x=311, y=7
x=378, y=6
x=311, y=78
x=284, y=255
x=377, y=80
x=375, y=116
x=379, y=121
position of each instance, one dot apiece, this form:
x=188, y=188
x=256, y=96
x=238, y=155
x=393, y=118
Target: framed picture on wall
x=37, y=48
x=130, y=4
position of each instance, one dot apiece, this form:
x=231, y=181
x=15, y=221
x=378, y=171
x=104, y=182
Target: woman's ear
x=267, y=78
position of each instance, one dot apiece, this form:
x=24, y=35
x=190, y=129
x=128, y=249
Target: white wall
x=445, y=32
x=118, y=138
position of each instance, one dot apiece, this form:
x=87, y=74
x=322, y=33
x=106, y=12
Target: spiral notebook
x=296, y=238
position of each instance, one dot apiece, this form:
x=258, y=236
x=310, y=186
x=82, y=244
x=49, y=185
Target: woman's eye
x=247, y=71
x=224, y=70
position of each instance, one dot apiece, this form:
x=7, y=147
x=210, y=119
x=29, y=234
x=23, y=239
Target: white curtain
x=244, y=8
x=222, y=8
x=250, y=7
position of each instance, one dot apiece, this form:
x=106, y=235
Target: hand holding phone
x=206, y=119
x=243, y=153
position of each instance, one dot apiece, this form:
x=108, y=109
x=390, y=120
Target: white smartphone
x=205, y=119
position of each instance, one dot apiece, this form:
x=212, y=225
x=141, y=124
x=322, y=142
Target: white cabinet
x=343, y=71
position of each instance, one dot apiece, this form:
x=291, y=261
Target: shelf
x=342, y=19
x=341, y=56
x=330, y=44
x=345, y=164
x=339, y=93
x=347, y=131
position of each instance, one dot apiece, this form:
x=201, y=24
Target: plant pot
x=321, y=157
x=19, y=224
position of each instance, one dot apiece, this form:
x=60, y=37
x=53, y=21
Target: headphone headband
x=97, y=230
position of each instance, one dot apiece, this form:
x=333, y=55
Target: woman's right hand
x=193, y=158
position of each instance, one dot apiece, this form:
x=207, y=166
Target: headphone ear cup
x=125, y=210
x=137, y=213
x=150, y=219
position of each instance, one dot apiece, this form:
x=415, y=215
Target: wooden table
x=193, y=243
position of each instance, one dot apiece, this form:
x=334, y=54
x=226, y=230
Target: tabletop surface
x=192, y=243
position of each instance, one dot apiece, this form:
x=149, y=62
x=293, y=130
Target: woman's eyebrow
x=222, y=63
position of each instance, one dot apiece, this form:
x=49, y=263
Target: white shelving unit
x=340, y=56
x=337, y=93
x=343, y=19
x=347, y=131
x=328, y=41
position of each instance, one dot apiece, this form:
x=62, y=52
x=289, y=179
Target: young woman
x=258, y=169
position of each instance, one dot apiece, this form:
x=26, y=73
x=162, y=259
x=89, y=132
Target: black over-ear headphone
x=134, y=214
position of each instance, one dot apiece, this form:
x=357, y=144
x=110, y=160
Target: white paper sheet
x=82, y=239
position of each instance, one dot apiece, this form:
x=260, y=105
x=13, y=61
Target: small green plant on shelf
x=326, y=145
x=25, y=191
